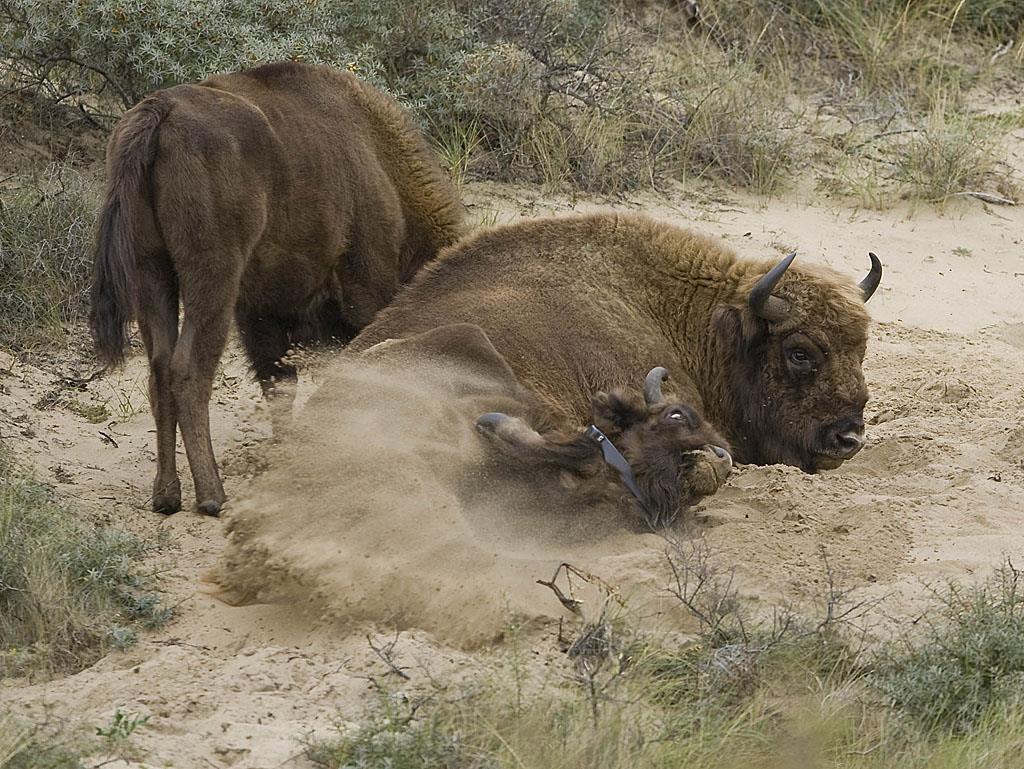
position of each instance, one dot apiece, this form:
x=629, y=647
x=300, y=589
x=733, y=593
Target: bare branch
x=386, y=654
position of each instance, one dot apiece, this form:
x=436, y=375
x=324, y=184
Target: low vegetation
x=69, y=590
x=46, y=226
x=583, y=93
x=871, y=102
x=42, y=746
x=783, y=692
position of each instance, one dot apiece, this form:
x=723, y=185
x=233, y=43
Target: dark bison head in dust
x=674, y=457
x=796, y=373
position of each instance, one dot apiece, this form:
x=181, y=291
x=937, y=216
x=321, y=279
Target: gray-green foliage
x=134, y=46
x=552, y=91
x=964, y=662
x=392, y=737
x=68, y=589
x=46, y=225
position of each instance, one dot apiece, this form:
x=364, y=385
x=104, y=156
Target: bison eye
x=675, y=414
x=799, y=358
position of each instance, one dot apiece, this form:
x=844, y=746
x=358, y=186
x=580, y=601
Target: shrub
x=558, y=92
x=967, y=662
x=68, y=590
x=945, y=157
x=46, y=226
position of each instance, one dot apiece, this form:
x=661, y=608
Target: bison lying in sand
x=295, y=197
x=771, y=354
x=670, y=458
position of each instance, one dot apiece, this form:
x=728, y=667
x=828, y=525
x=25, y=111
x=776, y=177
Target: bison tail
x=130, y=156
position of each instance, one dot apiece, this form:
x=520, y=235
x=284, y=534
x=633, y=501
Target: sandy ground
x=938, y=492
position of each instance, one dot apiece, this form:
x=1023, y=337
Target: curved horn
x=873, y=278
x=652, y=385
x=761, y=300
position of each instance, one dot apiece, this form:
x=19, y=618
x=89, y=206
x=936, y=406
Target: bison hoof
x=489, y=423
x=209, y=507
x=167, y=497
x=166, y=504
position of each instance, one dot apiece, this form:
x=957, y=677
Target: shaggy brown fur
x=294, y=196
x=581, y=304
x=676, y=457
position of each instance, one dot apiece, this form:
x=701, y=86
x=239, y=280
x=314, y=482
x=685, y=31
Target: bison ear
x=617, y=411
x=739, y=333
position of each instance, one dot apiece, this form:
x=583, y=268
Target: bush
x=551, y=91
x=68, y=590
x=945, y=158
x=46, y=226
x=967, y=663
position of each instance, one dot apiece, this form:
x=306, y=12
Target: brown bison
x=297, y=197
x=657, y=456
x=771, y=354
x=670, y=458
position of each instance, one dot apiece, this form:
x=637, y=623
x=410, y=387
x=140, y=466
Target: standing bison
x=771, y=355
x=294, y=196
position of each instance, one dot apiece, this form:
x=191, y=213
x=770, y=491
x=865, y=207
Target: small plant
x=122, y=725
x=96, y=413
x=126, y=399
x=965, y=662
x=392, y=737
x=68, y=590
x=455, y=145
x=945, y=158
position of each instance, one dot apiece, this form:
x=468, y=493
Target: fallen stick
x=570, y=602
x=987, y=197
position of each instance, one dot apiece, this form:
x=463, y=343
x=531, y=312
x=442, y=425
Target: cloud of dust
x=383, y=507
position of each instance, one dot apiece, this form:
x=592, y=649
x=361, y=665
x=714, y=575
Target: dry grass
x=788, y=693
x=68, y=590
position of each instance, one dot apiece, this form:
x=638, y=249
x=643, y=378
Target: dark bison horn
x=873, y=278
x=762, y=303
x=652, y=385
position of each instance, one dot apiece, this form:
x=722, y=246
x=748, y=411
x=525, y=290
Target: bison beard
x=770, y=353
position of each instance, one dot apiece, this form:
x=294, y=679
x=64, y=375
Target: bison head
x=795, y=349
x=674, y=456
x=677, y=458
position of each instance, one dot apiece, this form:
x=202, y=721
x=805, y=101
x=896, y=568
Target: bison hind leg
x=513, y=437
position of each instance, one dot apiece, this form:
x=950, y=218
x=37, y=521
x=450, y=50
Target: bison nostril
x=850, y=442
x=723, y=465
